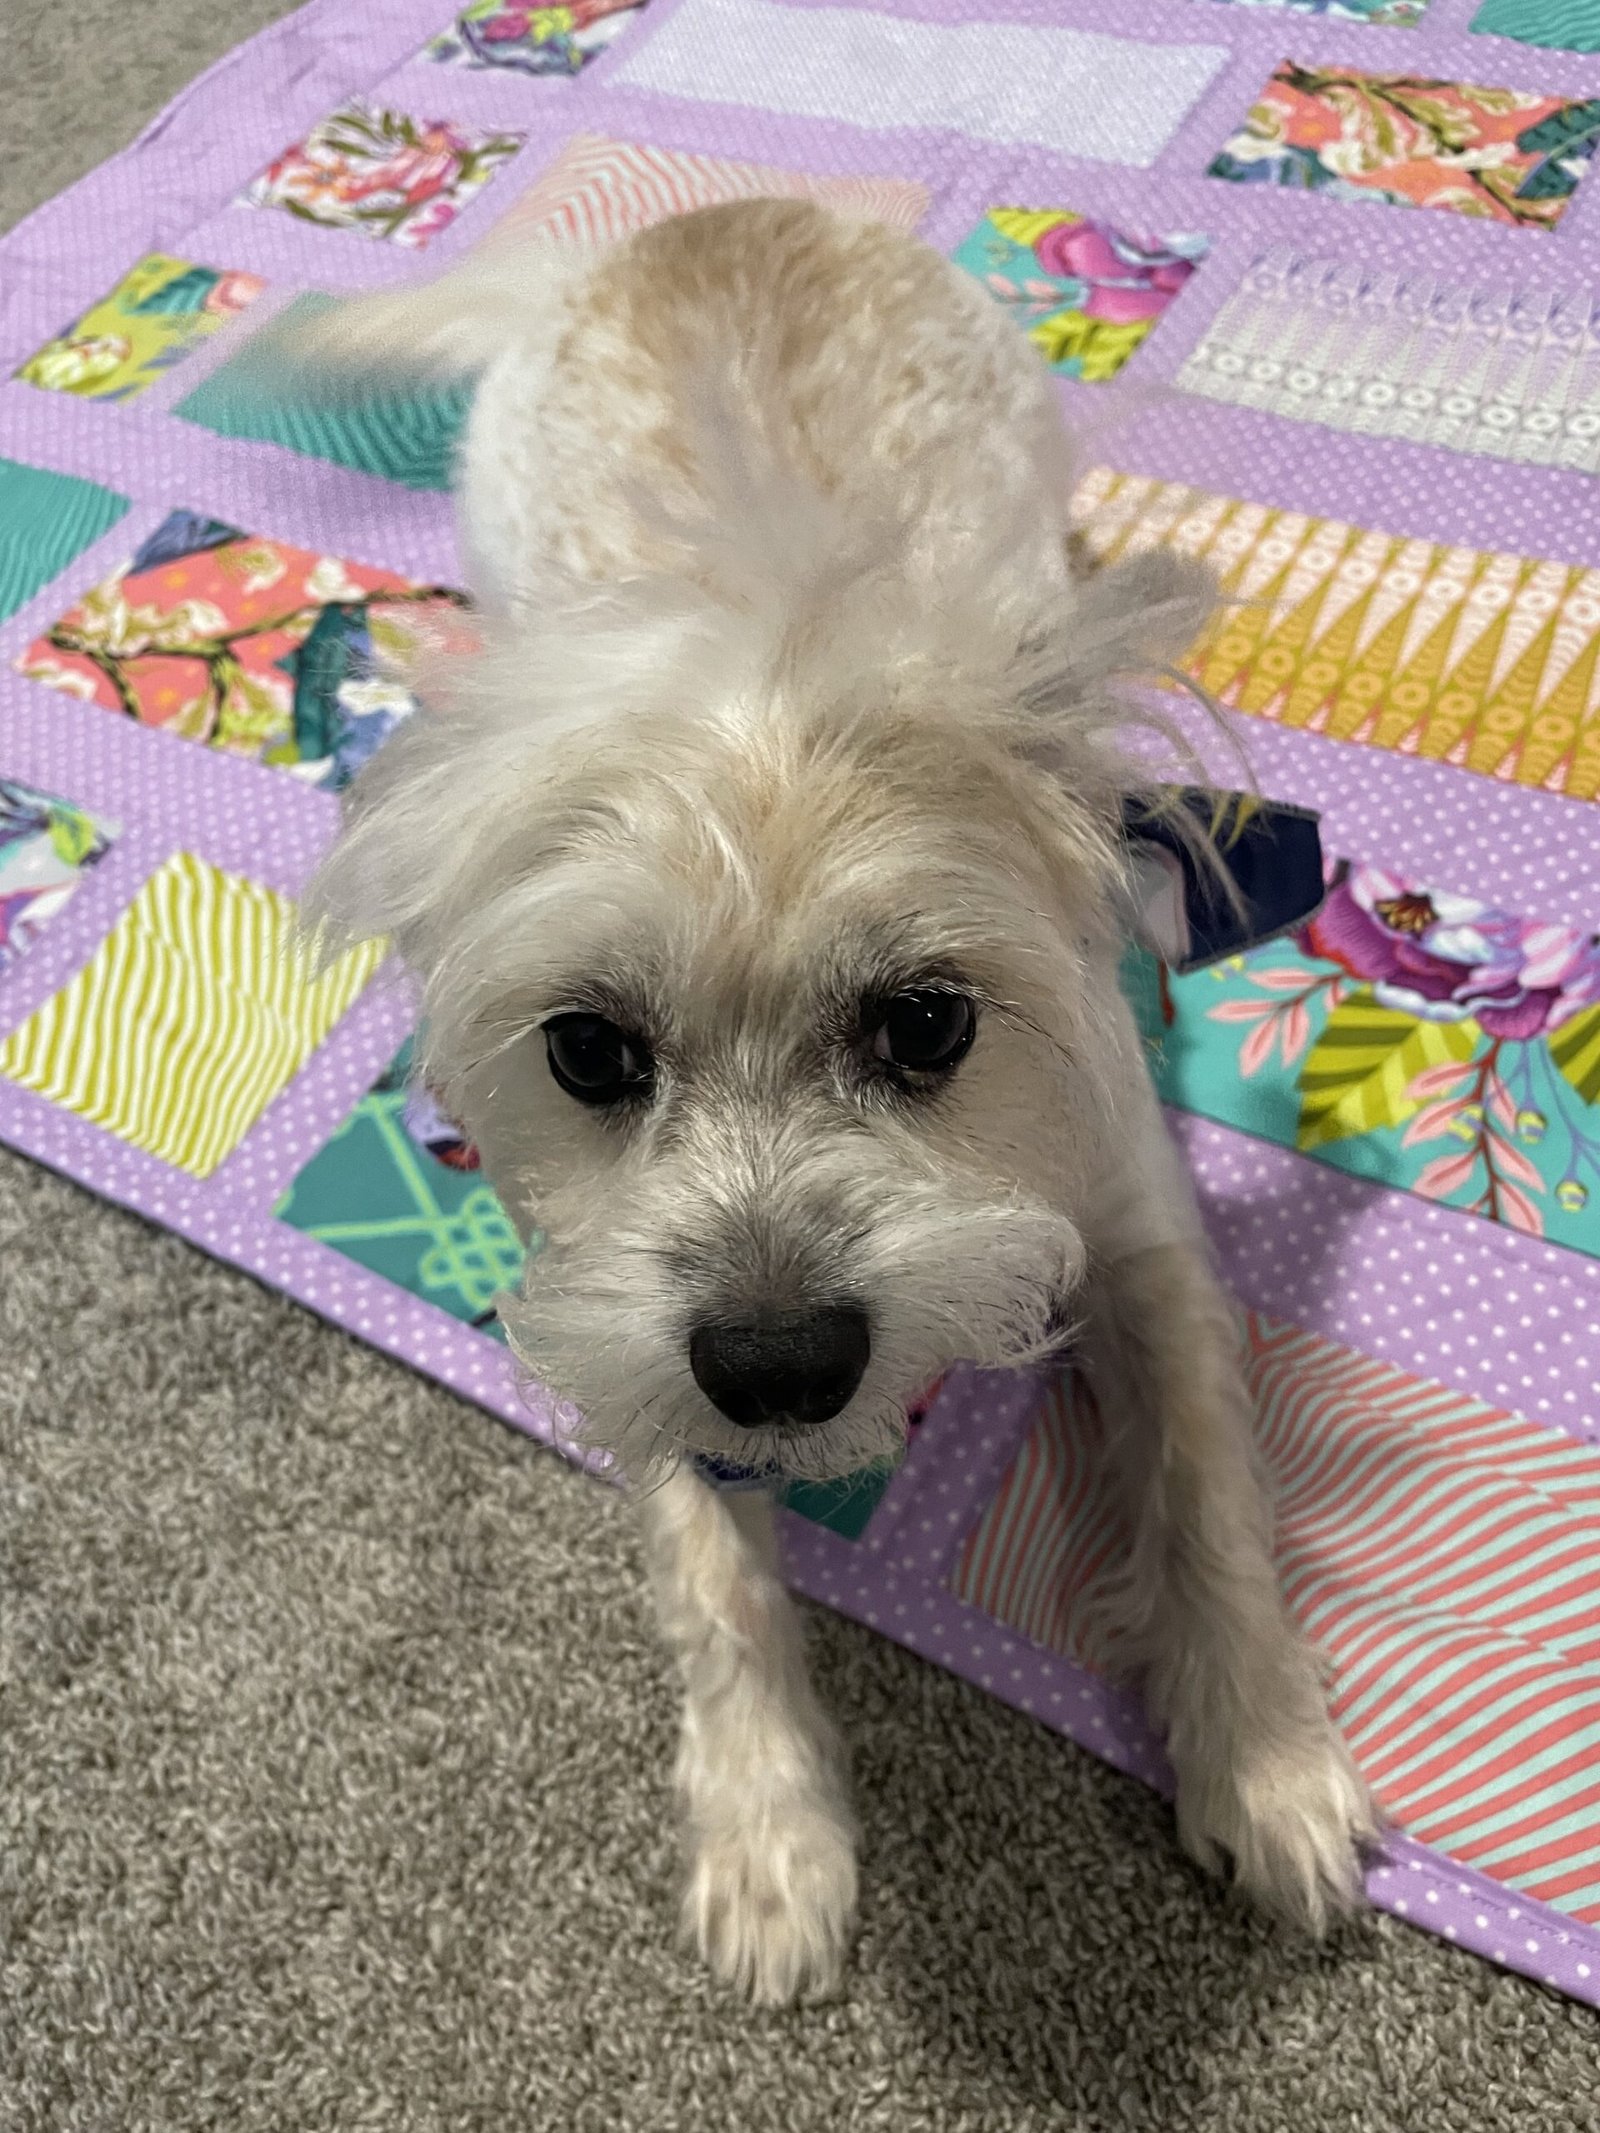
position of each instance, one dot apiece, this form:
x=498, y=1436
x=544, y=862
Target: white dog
x=761, y=867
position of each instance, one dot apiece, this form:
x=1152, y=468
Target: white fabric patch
x=1505, y=373
x=1082, y=94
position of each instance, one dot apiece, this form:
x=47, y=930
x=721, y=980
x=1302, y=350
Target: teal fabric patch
x=46, y=520
x=397, y=1191
x=1562, y=25
x=846, y=1506
x=1143, y=986
x=405, y=435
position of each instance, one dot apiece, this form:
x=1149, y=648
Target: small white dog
x=762, y=870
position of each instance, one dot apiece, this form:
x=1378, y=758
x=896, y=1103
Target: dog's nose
x=789, y=1366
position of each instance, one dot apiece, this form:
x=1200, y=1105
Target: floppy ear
x=1072, y=668
x=1204, y=873
x=1116, y=758
x=1132, y=618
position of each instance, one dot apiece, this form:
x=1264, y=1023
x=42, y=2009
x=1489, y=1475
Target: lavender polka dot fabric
x=1382, y=427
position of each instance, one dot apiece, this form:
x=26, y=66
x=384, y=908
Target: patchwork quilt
x=1318, y=277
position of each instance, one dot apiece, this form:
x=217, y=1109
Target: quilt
x=1317, y=279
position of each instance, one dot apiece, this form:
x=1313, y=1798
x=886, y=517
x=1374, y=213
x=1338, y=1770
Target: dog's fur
x=787, y=699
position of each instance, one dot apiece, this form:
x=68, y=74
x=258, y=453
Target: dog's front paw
x=1287, y=1814
x=771, y=1901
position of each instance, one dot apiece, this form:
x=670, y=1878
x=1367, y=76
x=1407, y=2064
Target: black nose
x=789, y=1366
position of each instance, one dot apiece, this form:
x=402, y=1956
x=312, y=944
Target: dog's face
x=813, y=1064
x=773, y=969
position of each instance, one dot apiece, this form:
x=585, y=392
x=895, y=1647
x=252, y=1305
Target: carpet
x=173, y=1859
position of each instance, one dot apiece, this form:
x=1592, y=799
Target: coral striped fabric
x=599, y=189
x=1445, y=1555
x=195, y=1010
x=1038, y=1558
x=1490, y=661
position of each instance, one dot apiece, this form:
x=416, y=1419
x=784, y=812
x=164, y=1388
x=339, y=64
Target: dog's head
x=771, y=965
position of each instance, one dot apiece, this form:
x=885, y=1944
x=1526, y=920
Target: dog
x=761, y=868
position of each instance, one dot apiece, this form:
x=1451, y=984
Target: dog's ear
x=1095, y=721
x=1084, y=684
x=1126, y=622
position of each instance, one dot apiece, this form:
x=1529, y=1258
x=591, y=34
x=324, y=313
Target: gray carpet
x=333, y=1743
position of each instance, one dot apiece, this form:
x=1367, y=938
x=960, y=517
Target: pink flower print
x=421, y=172
x=428, y=220
x=1449, y=958
x=231, y=293
x=1127, y=280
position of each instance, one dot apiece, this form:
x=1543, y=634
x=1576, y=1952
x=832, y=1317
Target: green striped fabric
x=45, y=520
x=402, y=436
x=195, y=1010
x=1564, y=25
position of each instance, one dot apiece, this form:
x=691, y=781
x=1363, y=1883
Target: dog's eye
x=925, y=1032
x=595, y=1061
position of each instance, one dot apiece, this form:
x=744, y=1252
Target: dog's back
x=728, y=369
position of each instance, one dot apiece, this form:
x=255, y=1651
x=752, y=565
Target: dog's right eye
x=596, y=1061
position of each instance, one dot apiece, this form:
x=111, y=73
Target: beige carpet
x=333, y=1743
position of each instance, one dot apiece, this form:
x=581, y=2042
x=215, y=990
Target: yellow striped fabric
x=195, y=1010
x=1484, y=659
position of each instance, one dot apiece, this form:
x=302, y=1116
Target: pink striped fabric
x=598, y=189
x=1445, y=1555
x=1037, y=1560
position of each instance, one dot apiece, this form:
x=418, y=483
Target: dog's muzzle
x=788, y=1366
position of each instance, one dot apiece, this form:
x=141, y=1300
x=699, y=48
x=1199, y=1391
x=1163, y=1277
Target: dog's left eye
x=925, y=1032
x=596, y=1061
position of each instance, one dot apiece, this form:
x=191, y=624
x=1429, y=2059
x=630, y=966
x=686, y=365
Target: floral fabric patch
x=246, y=645
x=46, y=847
x=1484, y=659
x=1504, y=155
x=530, y=39
x=194, y=1011
x=1425, y=1040
x=383, y=173
x=160, y=312
x=398, y=1191
x=1086, y=295
x=1391, y=14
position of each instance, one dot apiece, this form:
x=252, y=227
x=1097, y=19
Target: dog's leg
x=1264, y=1781
x=771, y=1890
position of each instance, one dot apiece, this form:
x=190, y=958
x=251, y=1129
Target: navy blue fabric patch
x=1273, y=853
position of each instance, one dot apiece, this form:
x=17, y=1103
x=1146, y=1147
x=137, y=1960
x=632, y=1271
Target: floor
x=333, y=1770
